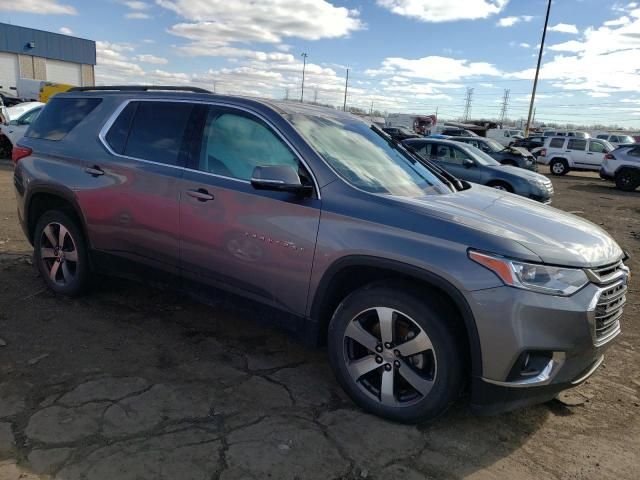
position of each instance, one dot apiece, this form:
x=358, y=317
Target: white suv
x=623, y=166
x=563, y=154
x=617, y=140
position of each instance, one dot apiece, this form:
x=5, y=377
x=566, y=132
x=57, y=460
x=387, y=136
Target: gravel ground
x=132, y=383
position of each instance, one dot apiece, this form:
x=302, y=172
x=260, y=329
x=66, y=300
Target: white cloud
x=137, y=16
x=564, y=28
x=42, y=7
x=65, y=30
x=444, y=69
x=618, y=21
x=444, y=10
x=136, y=5
x=511, y=21
x=148, y=58
x=524, y=45
x=148, y=40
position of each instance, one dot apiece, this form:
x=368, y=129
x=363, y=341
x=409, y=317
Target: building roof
x=29, y=41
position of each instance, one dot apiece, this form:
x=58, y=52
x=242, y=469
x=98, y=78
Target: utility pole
x=304, y=66
x=346, y=86
x=371, y=109
x=315, y=95
x=505, y=105
x=214, y=86
x=467, y=107
x=535, y=80
x=533, y=121
x=286, y=93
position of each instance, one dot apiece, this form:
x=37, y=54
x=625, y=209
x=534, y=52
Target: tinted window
x=60, y=116
x=596, y=147
x=614, y=138
x=157, y=131
x=549, y=134
x=635, y=152
x=444, y=153
x=603, y=137
x=556, y=142
x=234, y=144
x=460, y=155
x=575, y=144
x=119, y=131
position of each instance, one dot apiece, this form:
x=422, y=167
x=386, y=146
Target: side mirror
x=279, y=178
x=468, y=163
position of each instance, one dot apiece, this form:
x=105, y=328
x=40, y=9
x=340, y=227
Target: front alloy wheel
x=389, y=357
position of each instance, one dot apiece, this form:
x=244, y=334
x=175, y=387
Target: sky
x=402, y=55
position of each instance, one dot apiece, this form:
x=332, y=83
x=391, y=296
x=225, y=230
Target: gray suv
x=421, y=285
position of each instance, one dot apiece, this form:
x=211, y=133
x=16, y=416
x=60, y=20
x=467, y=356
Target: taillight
x=543, y=152
x=609, y=156
x=19, y=152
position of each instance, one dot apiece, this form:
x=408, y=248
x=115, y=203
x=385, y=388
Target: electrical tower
x=467, y=106
x=505, y=105
x=286, y=93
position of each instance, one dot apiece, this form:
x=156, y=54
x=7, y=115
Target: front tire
x=60, y=253
x=627, y=179
x=396, y=354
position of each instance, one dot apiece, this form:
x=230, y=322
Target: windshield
x=482, y=158
x=494, y=146
x=365, y=159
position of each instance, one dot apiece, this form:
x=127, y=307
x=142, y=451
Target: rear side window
x=575, y=144
x=635, y=152
x=556, y=142
x=60, y=116
x=155, y=131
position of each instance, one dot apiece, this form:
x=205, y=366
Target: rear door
x=257, y=243
x=595, y=153
x=132, y=205
x=577, y=149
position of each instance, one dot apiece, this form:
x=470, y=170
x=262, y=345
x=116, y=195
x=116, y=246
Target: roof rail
x=138, y=88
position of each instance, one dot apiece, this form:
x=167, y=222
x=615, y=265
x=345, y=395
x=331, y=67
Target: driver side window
x=234, y=143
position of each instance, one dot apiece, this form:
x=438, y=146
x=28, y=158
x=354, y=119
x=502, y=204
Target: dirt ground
x=132, y=383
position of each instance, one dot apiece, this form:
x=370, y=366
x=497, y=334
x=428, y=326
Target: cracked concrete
x=143, y=384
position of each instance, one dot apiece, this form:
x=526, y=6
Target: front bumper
x=558, y=331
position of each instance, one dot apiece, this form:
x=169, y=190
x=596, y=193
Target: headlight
x=531, y=276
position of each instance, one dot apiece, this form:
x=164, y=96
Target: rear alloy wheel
x=627, y=179
x=394, y=354
x=60, y=253
x=559, y=167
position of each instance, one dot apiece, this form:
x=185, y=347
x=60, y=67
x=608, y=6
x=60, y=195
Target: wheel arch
x=355, y=271
x=43, y=198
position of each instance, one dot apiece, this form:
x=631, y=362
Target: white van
x=505, y=136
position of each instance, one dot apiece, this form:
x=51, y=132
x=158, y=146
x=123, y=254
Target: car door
x=595, y=153
x=135, y=213
x=577, y=149
x=254, y=242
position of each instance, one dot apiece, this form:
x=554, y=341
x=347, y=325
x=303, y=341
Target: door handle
x=94, y=171
x=200, y=194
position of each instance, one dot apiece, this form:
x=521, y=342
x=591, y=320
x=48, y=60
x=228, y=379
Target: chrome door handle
x=200, y=194
x=94, y=171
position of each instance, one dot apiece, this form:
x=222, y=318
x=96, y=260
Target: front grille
x=609, y=309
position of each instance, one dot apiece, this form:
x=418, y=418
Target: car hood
x=518, y=151
x=554, y=236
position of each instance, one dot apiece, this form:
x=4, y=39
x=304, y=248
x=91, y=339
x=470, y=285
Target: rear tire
x=559, y=166
x=60, y=253
x=627, y=179
x=396, y=354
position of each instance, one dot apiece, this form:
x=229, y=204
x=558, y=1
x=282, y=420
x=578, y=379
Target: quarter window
x=577, y=144
x=60, y=116
x=596, y=147
x=556, y=143
x=235, y=143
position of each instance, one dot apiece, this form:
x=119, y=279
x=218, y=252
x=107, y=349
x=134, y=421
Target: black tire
x=432, y=316
x=627, y=179
x=71, y=276
x=499, y=185
x=559, y=166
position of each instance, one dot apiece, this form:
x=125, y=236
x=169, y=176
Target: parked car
x=530, y=143
x=623, y=166
x=505, y=136
x=617, y=140
x=10, y=100
x=514, y=156
x=419, y=283
x=471, y=164
x=565, y=133
x=451, y=131
x=400, y=133
x=19, y=120
x=564, y=154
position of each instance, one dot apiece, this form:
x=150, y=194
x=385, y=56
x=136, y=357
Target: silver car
x=421, y=285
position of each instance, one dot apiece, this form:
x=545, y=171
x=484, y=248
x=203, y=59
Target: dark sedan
x=531, y=142
x=400, y=133
x=471, y=164
x=514, y=156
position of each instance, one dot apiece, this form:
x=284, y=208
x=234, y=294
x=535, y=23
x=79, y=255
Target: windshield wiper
x=452, y=182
